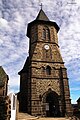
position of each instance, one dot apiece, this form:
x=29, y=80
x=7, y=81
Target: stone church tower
x=44, y=88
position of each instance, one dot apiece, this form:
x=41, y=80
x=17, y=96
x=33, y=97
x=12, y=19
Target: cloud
x=75, y=89
x=3, y=23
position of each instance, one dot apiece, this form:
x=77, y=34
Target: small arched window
x=47, y=34
x=44, y=34
x=48, y=70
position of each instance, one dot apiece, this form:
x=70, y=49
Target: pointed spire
x=42, y=15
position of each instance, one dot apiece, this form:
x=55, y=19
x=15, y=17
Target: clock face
x=46, y=47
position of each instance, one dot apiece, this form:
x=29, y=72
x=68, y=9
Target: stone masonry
x=44, y=88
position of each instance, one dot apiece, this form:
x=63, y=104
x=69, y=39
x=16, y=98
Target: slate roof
x=2, y=72
x=1, y=83
x=42, y=16
x=3, y=75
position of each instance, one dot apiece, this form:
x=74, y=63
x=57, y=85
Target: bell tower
x=44, y=88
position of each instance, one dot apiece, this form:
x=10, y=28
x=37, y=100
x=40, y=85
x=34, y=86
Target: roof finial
x=41, y=5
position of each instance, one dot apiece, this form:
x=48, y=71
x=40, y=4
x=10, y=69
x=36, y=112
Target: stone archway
x=51, y=104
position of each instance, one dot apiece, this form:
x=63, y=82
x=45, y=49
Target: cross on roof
x=41, y=5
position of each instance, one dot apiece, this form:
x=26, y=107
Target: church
x=44, y=87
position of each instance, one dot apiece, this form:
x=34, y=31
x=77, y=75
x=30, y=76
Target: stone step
x=25, y=116
x=53, y=119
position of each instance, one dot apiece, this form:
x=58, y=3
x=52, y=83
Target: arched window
x=48, y=70
x=46, y=33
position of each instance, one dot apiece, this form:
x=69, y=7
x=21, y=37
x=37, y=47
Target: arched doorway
x=52, y=105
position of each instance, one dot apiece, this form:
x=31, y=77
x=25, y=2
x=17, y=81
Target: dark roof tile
x=42, y=16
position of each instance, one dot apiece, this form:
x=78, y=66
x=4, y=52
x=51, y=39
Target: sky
x=14, y=18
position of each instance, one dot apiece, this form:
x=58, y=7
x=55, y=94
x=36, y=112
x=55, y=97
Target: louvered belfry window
x=46, y=33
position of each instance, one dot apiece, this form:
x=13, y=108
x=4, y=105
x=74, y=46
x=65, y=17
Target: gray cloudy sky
x=14, y=17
